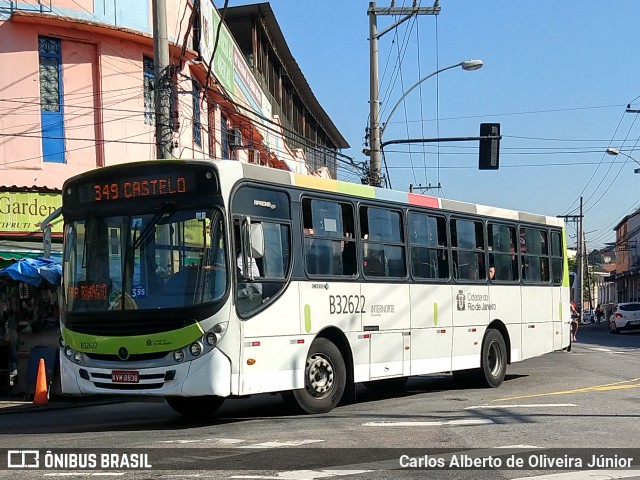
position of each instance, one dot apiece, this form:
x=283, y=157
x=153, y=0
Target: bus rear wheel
x=194, y=407
x=325, y=377
x=494, y=360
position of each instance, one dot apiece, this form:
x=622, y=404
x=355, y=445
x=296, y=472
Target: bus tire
x=325, y=377
x=386, y=385
x=493, y=360
x=195, y=407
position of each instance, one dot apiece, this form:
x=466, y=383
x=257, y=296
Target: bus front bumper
x=207, y=375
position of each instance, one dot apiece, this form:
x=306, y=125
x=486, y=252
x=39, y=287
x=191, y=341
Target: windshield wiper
x=137, y=242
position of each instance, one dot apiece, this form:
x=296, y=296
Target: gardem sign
x=22, y=212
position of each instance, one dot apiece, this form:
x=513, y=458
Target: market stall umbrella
x=34, y=270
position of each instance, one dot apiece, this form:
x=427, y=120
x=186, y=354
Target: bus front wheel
x=194, y=407
x=325, y=377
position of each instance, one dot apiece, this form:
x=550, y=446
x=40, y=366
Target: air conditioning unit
x=235, y=138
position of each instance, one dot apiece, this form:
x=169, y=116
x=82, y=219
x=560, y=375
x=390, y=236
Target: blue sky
x=556, y=75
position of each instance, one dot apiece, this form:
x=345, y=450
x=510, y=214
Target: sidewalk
x=17, y=404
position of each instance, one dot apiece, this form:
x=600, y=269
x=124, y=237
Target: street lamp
x=468, y=65
x=615, y=151
x=375, y=128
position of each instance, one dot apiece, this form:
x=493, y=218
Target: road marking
x=293, y=443
x=595, y=388
x=234, y=442
x=479, y=421
x=305, y=474
x=530, y=405
x=85, y=474
x=217, y=441
x=607, y=350
x=586, y=475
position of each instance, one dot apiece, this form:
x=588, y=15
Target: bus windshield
x=166, y=259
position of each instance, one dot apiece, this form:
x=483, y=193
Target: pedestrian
x=574, y=322
x=599, y=313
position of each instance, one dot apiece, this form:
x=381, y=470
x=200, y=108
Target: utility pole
x=580, y=272
x=577, y=291
x=162, y=74
x=375, y=172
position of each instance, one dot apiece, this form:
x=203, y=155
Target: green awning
x=14, y=250
x=15, y=256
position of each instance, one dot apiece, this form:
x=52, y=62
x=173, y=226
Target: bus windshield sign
x=141, y=186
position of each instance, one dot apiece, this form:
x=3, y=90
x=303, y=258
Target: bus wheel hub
x=320, y=375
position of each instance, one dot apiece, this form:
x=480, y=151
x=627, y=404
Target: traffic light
x=489, y=147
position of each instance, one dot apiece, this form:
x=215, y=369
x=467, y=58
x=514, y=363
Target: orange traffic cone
x=41, y=395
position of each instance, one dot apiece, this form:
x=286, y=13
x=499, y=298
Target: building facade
x=626, y=278
x=77, y=92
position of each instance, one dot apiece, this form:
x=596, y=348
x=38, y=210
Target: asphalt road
x=558, y=407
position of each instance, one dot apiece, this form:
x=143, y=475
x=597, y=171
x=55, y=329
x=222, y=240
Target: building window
x=197, y=127
x=148, y=79
x=51, y=111
x=224, y=139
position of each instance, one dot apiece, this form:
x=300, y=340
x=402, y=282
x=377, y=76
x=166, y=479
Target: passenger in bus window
x=492, y=272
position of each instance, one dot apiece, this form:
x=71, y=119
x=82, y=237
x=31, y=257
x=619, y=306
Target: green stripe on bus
x=156, y=342
x=435, y=314
x=560, y=311
x=307, y=318
x=355, y=189
x=565, y=277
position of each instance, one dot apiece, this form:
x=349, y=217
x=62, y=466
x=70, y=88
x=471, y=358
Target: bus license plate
x=125, y=376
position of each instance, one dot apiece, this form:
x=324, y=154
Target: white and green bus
x=202, y=280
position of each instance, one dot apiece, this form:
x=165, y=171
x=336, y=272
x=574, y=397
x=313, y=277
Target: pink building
x=77, y=93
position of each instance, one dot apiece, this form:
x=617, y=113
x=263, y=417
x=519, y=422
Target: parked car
x=625, y=316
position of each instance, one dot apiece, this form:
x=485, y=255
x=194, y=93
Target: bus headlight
x=211, y=339
x=220, y=327
x=178, y=356
x=77, y=357
x=61, y=342
x=195, y=349
x=68, y=352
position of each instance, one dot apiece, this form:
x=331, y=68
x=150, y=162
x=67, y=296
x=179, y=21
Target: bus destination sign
x=140, y=187
x=106, y=189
